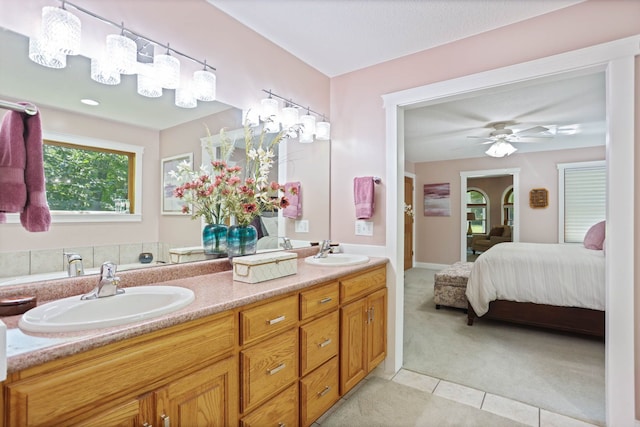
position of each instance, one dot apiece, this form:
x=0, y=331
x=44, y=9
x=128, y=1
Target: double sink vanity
x=192, y=347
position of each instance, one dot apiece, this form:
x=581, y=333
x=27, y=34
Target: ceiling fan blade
x=538, y=131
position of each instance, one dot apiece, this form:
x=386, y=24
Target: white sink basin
x=136, y=304
x=338, y=260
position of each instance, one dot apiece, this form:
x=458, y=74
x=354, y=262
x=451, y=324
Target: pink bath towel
x=22, y=185
x=292, y=192
x=363, y=195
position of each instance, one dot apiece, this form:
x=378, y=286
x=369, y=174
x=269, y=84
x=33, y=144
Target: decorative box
x=180, y=255
x=264, y=266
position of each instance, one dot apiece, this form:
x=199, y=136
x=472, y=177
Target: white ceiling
x=340, y=36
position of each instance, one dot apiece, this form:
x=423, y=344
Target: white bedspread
x=552, y=274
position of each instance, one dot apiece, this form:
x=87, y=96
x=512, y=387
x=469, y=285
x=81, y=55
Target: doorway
x=617, y=60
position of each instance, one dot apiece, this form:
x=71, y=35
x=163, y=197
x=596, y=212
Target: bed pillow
x=594, y=239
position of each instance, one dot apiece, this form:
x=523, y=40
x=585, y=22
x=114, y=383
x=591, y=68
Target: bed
x=558, y=286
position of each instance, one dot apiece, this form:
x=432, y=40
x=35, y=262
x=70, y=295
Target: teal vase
x=214, y=240
x=242, y=240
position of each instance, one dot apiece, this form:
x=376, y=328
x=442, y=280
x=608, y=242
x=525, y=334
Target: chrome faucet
x=74, y=265
x=286, y=243
x=325, y=247
x=108, y=284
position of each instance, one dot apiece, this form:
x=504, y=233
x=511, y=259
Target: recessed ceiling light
x=91, y=102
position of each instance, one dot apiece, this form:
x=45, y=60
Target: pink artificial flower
x=284, y=202
x=249, y=207
x=274, y=186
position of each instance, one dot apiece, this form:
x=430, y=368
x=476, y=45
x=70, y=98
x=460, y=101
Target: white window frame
x=504, y=193
x=487, y=209
x=95, y=216
x=562, y=167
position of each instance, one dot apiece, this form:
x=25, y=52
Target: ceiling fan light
x=61, y=30
x=122, y=53
x=204, y=85
x=501, y=149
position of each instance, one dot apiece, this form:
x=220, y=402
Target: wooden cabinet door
x=280, y=411
x=377, y=328
x=353, y=336
x=208, y=397
x=318, y=392
x=318, y=342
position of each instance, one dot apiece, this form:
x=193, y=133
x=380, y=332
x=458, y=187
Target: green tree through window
x=80, y=178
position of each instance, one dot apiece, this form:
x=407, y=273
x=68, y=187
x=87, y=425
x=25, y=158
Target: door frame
x=413, y=225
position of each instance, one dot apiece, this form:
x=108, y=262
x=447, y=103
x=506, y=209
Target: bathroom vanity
x=280, y=352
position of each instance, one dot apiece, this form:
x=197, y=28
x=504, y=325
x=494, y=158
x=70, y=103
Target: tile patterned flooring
x=507, y=408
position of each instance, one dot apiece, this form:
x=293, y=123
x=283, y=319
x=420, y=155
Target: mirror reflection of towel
x=292, y=192
x=363, y=195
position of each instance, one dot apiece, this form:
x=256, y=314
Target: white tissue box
x=265, y=266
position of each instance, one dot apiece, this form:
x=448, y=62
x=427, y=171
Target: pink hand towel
x=22, y=185
x=363, y=194
x=292, y=192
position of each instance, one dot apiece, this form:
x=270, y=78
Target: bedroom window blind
x=584, y=198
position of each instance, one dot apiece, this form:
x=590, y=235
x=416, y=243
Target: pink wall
x=14, y=238
x=438, y=238
x=358, y=143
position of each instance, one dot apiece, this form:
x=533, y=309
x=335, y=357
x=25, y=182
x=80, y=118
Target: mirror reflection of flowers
x=408, y=210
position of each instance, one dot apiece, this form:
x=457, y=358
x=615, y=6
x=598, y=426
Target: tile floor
x=507, y=408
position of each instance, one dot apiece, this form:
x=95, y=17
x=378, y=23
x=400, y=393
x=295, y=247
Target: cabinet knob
x=166, y=422
x=276, y=320
x=277, y=369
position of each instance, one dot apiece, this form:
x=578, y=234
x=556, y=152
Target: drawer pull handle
x=325, y=343
x=325, y=391
x=282, y=425
x=166, y=422
x=326, y=300
x=372, y=314
x=146, y=425
x=277, y=369
x=276, y=320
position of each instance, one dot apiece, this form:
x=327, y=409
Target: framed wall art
x=539, y=198
x=437, y=199
x=171, y=205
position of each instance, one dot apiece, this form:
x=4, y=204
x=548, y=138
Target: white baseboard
x=430, y=265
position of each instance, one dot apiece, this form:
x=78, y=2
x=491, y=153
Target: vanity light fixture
x=126, y=53
x=291, y=119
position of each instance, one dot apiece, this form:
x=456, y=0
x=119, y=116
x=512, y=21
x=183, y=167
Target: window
x=80, y=178
x=477, y=204
x=507, y=207
x=582, y=198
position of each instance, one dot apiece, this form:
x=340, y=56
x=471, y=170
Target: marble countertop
x=214, y=293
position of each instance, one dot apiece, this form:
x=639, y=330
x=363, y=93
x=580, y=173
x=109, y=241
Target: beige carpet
x=383, y=403
x=559, y=372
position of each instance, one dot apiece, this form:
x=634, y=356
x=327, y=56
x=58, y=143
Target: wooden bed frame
x=568, y=319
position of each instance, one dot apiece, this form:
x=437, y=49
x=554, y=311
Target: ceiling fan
x=501, y=137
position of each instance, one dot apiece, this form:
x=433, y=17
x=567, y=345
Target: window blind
x=584, y=201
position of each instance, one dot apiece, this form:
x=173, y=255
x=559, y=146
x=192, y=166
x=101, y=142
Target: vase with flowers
x=250, y=192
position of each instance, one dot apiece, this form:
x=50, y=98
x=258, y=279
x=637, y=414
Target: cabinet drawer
x=319, y=300
x=280, y=411
x=266, y=319
x=318, y=342
x=362, y=285
x=318, y=392
x=268, y=367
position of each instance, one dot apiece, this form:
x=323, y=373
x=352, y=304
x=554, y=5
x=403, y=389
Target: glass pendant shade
x=308, y=128
x=122, y=53
x=269, y=108
x=61, y=30
x=148, y=84
x=290, y=117
x=272, y=126
x=103, y=72
x=40, y=53
x=167, y=70
x=323, y=131
x=501, y=149
x=204, y=85
x=185, y=98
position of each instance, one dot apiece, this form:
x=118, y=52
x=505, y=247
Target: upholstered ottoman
x=450, y=285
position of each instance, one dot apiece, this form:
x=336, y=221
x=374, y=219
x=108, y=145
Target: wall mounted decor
x=437, y=199
x=538, y=198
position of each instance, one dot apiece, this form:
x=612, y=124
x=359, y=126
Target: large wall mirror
x=161, y=130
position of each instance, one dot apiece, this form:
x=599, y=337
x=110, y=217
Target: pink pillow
x=594, y=239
